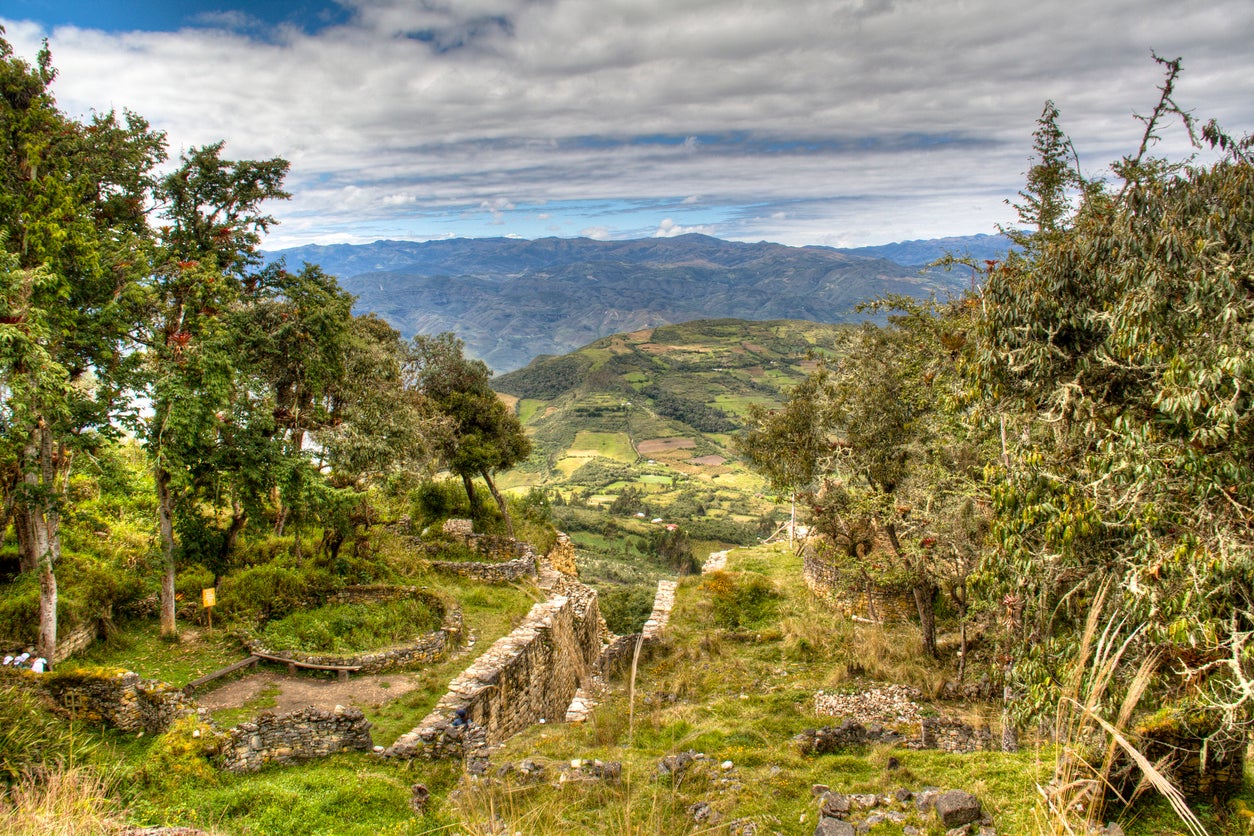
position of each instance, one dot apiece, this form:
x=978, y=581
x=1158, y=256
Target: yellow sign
x=208, y=597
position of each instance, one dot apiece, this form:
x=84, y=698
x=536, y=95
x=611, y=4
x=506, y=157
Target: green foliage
x=344, y=628
x=739, y=599
x=673, y=548
x=625, y=608
x=1116, y=350
x=272, y=590
x=694, y=413
x=30, y=735
x=181, y=756
x=436, y=500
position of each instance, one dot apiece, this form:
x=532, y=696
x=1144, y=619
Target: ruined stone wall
x=529, y=675
x=562, y=556
x=506, y=572
x=615, y=660
x=117, y=698
x=424, y=649
x=293, y=737
x=873, y=603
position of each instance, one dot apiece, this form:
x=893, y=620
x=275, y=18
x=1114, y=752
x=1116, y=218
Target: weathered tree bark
x=165, y=523
x=471, y=495
x=500, y=502
x=38, y=520
x=924, y=592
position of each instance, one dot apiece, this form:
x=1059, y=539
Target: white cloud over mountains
x=840, y=121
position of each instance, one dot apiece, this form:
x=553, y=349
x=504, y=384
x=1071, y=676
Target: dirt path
x=299, y=691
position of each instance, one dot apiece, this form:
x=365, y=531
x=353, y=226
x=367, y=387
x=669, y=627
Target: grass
x=140, y=648
x=616, y=446
x=345, y=628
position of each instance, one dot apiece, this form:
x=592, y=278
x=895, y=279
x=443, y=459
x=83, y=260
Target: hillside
x=512, y=300
x=638, y=427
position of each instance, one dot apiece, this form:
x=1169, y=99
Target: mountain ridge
x=511, y=300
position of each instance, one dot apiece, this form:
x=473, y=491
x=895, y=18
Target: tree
x=206, y=252
x=790, y=446
x=73, y=199
x=482, y=436
x=1119, y=348
x=889, y=467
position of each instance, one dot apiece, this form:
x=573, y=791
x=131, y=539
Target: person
x=8, y=659
x=459, y=718
x=39, y=665
x=20, y=661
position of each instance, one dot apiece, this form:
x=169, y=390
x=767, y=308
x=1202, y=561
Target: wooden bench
x=292, y=664
x=250, y=662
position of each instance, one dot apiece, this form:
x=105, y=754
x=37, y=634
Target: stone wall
x=530, y=675
x=615, y=660
x=509, y=571
x=424, y=649
x=562, y=556
x=870, y=602
x=117, y=698
x=505, y=560
x=290, y=738
x=76, y=641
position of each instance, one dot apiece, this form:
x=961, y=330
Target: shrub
x=739, y=599
x=625, y=608
x=433, y=501
x=273, y=591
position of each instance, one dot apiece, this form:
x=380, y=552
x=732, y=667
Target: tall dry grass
x=62, y=801
x=1090, y=747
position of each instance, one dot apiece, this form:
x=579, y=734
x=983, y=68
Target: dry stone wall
x=528, y=676
x=117, y=698
x=297, y=736
x=870, y=602
x=505, y=560
x=424, y=649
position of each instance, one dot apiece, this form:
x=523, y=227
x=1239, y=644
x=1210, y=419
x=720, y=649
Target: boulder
x=956, y=808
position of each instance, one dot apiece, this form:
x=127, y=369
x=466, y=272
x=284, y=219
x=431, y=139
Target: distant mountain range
x=512, y=300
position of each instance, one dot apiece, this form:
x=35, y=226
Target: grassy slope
x=735, y=694
x=666, y=401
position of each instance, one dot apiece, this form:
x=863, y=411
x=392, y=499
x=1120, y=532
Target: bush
x=739, y=599
x=625, y=608
x=273, y=591
x=435, y=501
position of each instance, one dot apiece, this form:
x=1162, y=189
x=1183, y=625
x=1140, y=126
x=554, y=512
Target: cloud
x=669, y=229
x=804, y=121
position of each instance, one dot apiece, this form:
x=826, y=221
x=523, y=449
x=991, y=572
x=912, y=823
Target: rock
x=956, y=808
x=419, y=795
x=699, y=811
x=834, y=827
x=675, y=765
x=834, y=805
x=818, y=789
x=925, y=799
x=903, y=796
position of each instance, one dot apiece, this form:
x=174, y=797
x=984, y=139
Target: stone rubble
x=956, y=811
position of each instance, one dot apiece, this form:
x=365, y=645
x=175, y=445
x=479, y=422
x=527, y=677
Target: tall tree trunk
x=924, y=601
x=165, y=520
x=471, y=495
x=924, y=592
x=39, y=522
x=500, y=502
x=239, y=519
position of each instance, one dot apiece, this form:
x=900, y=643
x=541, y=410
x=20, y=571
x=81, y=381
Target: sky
x=833, y=122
